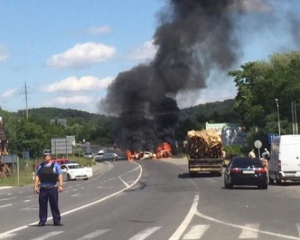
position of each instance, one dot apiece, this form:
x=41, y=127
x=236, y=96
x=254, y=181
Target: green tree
x=259, y=84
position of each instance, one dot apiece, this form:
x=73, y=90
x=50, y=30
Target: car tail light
x=279, y=165
x=260, y=170
x=235, y=170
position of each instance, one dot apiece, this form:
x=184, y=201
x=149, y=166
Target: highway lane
x=165, y=203
x=244, y=212
x=156, y=205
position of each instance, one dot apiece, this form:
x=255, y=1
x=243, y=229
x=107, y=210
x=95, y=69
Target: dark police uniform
x=48, y=174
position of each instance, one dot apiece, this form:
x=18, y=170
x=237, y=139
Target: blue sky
x=68, y=52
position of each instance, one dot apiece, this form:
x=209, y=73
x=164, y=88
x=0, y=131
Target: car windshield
x=75, y=166
x=246, y=162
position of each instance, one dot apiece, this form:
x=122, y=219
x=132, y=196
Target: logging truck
x=204, y=152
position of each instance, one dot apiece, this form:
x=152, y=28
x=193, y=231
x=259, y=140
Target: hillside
x=222, y=111
x=59, y=113
x=215, y=111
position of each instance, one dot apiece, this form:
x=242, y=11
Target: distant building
x=231, y=133
x=61, y=121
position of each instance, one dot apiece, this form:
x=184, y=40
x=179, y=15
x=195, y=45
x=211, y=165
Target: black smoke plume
x=194, y=37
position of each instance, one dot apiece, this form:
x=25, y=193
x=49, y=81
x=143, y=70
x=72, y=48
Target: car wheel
x=86, y=178
x=68, y=177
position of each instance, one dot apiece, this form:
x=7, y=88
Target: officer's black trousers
x=51, y=195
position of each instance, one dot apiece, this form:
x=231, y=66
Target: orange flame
x=164, y=150
x=129, y=155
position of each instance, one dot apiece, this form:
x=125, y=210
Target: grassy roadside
x=26, y=171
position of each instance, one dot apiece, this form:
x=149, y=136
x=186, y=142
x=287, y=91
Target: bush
x=233, y=150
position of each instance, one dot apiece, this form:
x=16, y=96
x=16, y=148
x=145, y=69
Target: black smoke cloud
x=194, y=37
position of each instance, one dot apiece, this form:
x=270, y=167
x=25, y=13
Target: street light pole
x=278, y=119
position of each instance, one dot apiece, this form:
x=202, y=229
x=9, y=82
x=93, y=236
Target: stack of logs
x=204, y=144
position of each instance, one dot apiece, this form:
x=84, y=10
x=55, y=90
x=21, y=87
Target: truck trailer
x=204, y=152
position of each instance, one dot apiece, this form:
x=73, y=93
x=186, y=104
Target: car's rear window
x=246, y=161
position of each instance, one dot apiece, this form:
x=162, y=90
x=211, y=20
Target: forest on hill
x=34, y=134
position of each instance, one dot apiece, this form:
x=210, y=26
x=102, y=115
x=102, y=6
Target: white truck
x=74, y=171
x=284, y=163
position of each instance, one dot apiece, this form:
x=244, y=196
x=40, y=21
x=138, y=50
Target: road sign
x=258, y=144
x=271, y=136
x=61, y=146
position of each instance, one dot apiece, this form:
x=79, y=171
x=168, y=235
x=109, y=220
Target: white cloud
x=82, y=55
x=257, y=5
x=215, y=95
x=146, y=52
x=3, y=53
x=98, y=30
x=9, y=93
x=73, y=84
x=72, y=100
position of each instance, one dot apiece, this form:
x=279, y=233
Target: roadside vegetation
x=27, y=168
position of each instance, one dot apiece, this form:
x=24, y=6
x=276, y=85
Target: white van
x=284, y=161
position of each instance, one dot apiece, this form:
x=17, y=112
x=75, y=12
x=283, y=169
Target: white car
x=74, y=171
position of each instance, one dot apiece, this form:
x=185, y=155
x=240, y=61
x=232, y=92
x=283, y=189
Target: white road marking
x=30, y=208
x=298, y=228
x=7, y=236
x=248, y=233
x=7, y=205
x=48, y=235
x=10, y=233
x=27, y=200
x=93, y=234
x=120, y=177
x=79, y=208
x=196, y=232
x=5, y=199
x=282, y=236
x=144, y=234
x=76, y=195
x=183, y=226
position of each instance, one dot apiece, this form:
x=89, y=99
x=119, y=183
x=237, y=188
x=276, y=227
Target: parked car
x=88, y=155
x=98, y=157
x=60, y=161
x=74, y=171
x=108, y=157
x=245, y=171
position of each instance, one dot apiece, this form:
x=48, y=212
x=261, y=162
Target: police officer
x=47, y=175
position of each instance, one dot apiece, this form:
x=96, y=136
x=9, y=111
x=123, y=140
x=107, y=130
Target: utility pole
x=26, y=99
x=278, y=118
x=294, y=117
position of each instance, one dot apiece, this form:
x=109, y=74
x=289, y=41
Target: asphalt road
x=157, y=200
